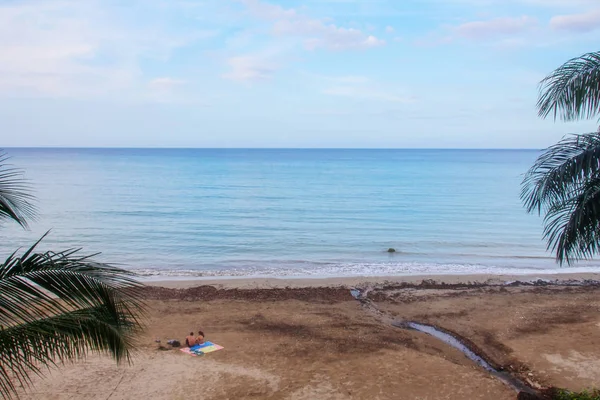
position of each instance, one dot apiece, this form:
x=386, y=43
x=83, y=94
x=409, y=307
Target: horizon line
x=263, y=148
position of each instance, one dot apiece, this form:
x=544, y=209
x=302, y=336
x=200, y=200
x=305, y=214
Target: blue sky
x=283, y=73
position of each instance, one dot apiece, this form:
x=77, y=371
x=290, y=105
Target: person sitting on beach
x=200, y=338
x=190, y=340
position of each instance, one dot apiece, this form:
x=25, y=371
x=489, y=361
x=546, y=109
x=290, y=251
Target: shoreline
x=349, y=282
x=306, y=338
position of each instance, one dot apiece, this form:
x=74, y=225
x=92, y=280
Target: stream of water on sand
x=454, y=342
x=450, y=340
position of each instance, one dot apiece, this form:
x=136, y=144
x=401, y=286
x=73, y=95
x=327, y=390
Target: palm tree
x=564, y=182
x=15, y=199
x=56, y=307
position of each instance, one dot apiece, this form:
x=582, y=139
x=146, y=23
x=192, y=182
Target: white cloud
x=44, y=49
x=167, y=90
x=540, y=3
x=63, y=48
x=363, y=88
x=354, y=79
x=495, y=27
x=166, y=82
x=584, y=22
x=316, y=33
x=300, y=31
x=269, y=11
x=327, y=112
x=362, y=93
x=250, y=68
x=390, y=29
x=559, y=3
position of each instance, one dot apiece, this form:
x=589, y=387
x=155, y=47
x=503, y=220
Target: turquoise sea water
x=217, y=212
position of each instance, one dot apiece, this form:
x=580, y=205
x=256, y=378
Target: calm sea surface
x=207, y=212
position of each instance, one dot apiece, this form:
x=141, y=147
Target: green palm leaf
x=56, y=339
x=573, y=224
x=564, y=183
x=15, y=197
x=559, y=169
x=573, y=90
x=59, y=306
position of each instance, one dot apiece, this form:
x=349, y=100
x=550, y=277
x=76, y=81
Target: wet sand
x=317, y=342
x=547, y=335
x=265, y=283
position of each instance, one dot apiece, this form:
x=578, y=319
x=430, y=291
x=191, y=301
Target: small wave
x=354, y=270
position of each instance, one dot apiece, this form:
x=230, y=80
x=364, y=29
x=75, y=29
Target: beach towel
x=200, y=349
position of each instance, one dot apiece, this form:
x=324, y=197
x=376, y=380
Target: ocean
x=286, y=212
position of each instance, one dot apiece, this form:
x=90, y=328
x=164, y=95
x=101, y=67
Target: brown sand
x=265, y=283
x=319, y=343
x=550, y=334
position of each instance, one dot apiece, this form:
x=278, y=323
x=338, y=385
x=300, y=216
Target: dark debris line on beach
x=329, y=294
x=208, y=293
x=366, y=295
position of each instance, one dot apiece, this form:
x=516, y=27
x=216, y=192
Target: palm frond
x=16, y=201
x=58, y=306
x=572, y=225
x=559, y=169
x=573, y=90
x=26, y=348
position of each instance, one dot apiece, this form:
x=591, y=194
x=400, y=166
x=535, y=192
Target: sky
x=286, y=73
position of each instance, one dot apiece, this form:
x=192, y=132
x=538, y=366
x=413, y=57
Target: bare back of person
x=190, y=340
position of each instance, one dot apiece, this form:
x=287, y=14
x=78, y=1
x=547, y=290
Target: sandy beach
x=310, y=339
x=266, y=283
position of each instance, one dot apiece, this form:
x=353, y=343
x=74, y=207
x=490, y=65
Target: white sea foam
x=216, y=213
x=357, y=269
